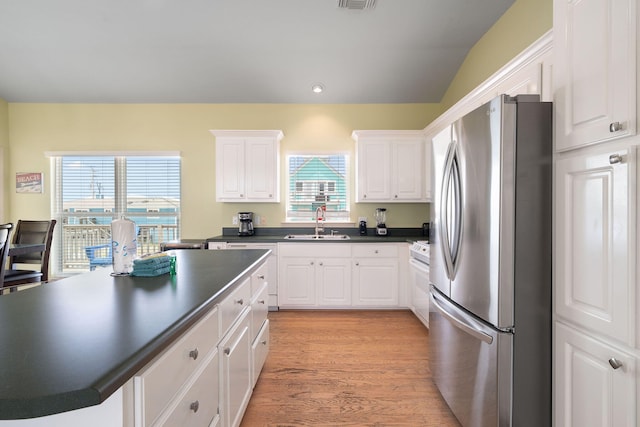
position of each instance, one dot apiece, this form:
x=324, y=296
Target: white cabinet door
x=230, y=169
x=408, y=171
x=374, y=171
x=261, y=170
x=595, y=384
x=595, y=206
x=594, y=70
x=296, y=285
x=375, y=282
x=333, y=278
x=236, y=371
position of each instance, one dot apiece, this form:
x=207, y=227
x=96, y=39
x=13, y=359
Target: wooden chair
x=30, y=232
x=5, y=230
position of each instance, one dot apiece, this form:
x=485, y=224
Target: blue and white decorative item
x=124, y=245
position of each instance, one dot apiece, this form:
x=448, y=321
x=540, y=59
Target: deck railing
x=75, y=238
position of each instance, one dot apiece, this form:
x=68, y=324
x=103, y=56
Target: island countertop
x=71, y=343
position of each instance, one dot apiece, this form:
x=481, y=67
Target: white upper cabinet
x=390, y=166
x=595, y=207
x=594, y=71
x=247, y=165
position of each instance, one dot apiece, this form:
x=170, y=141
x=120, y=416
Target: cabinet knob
x=311, y=263
x=227, y=351
x=321, y=263
x=395, y=196
x=193, y=354
x=615, y=158
x=240, y=301
x=194, y=406
x=357, y=263
x=376, y=251
x=263, y=342
x=261, y=301
x=615, y=127
x=364, y=196
x=261, y=277
x=242, y=195
x=615, y=363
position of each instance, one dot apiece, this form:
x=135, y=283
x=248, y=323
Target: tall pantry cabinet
x=597, y=345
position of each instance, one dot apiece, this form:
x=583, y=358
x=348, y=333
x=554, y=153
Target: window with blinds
x=91, y=191
x=315, y=181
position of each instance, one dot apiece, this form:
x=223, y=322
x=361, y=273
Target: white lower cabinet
x=595, y=383
x=236, y=371
x=340, y=275
x=184, y=371
x=206, y=378
x=375, y=275
x=312, y=275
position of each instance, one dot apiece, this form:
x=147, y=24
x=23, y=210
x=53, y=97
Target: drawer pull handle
x=261, y=301
x=261, y=277
x=263, y=342
x=227, y=351
x=615, y=127
x=193, y=354
x=615, y=363
x=614, y=159
x=240, y=301
x=194, y=406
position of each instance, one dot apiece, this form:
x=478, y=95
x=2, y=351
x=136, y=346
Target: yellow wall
x=521, y=25
x=38, y=128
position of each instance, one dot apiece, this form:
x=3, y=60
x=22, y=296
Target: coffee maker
x=245, y=223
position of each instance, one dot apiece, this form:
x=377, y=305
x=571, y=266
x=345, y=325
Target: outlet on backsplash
x=234, y=220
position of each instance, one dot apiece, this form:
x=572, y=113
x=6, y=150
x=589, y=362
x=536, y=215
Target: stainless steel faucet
x=319, y=216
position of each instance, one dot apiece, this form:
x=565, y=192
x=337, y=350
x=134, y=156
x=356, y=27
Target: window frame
x=292, y=187
x=120, y=202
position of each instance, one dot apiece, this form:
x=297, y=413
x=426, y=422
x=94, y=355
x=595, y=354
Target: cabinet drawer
x=367, y=250
x=260, y=350
x=259, y=310
x=158, y=383
x=198, y=404
x=258, y=279
x=232, y=305
x=315, y=250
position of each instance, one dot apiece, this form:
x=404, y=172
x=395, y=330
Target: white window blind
x=91, y=191
x=315, y=181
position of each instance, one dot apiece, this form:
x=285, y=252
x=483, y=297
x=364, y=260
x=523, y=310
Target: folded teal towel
x=150, y=268
x=151, y=261
x=150, y=273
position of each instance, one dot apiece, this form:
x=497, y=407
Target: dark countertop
x=71, y=343
x=277, y=234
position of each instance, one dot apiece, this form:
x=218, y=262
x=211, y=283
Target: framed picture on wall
x=29, y=182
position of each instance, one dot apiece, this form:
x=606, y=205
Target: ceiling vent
x=357, y=4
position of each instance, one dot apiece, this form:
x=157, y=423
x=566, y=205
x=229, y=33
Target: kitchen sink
x=316, y=237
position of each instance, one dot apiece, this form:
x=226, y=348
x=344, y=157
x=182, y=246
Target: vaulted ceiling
x=236, y=51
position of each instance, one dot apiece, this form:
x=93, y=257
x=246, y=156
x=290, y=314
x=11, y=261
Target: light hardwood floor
x=347, y=368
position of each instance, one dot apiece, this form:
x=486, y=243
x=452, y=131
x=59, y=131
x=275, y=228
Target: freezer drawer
x=471, y=364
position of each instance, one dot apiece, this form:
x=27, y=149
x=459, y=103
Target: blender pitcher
x=381, y=219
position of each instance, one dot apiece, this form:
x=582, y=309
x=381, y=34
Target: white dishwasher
x=272, y=264
x=419, y=274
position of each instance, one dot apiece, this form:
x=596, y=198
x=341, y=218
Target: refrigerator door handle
x=445, y=218
x=451, y=211
x=460, y=322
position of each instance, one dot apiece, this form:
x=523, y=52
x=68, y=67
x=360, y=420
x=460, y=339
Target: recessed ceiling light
x=317, y=88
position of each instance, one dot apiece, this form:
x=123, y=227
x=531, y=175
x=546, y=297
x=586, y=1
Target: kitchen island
x=73, y=343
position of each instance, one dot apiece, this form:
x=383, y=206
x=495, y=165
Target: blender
x=381, y=219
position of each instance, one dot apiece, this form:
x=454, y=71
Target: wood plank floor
x=347, y=368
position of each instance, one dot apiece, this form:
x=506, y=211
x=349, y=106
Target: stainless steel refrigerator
x=490, y=272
